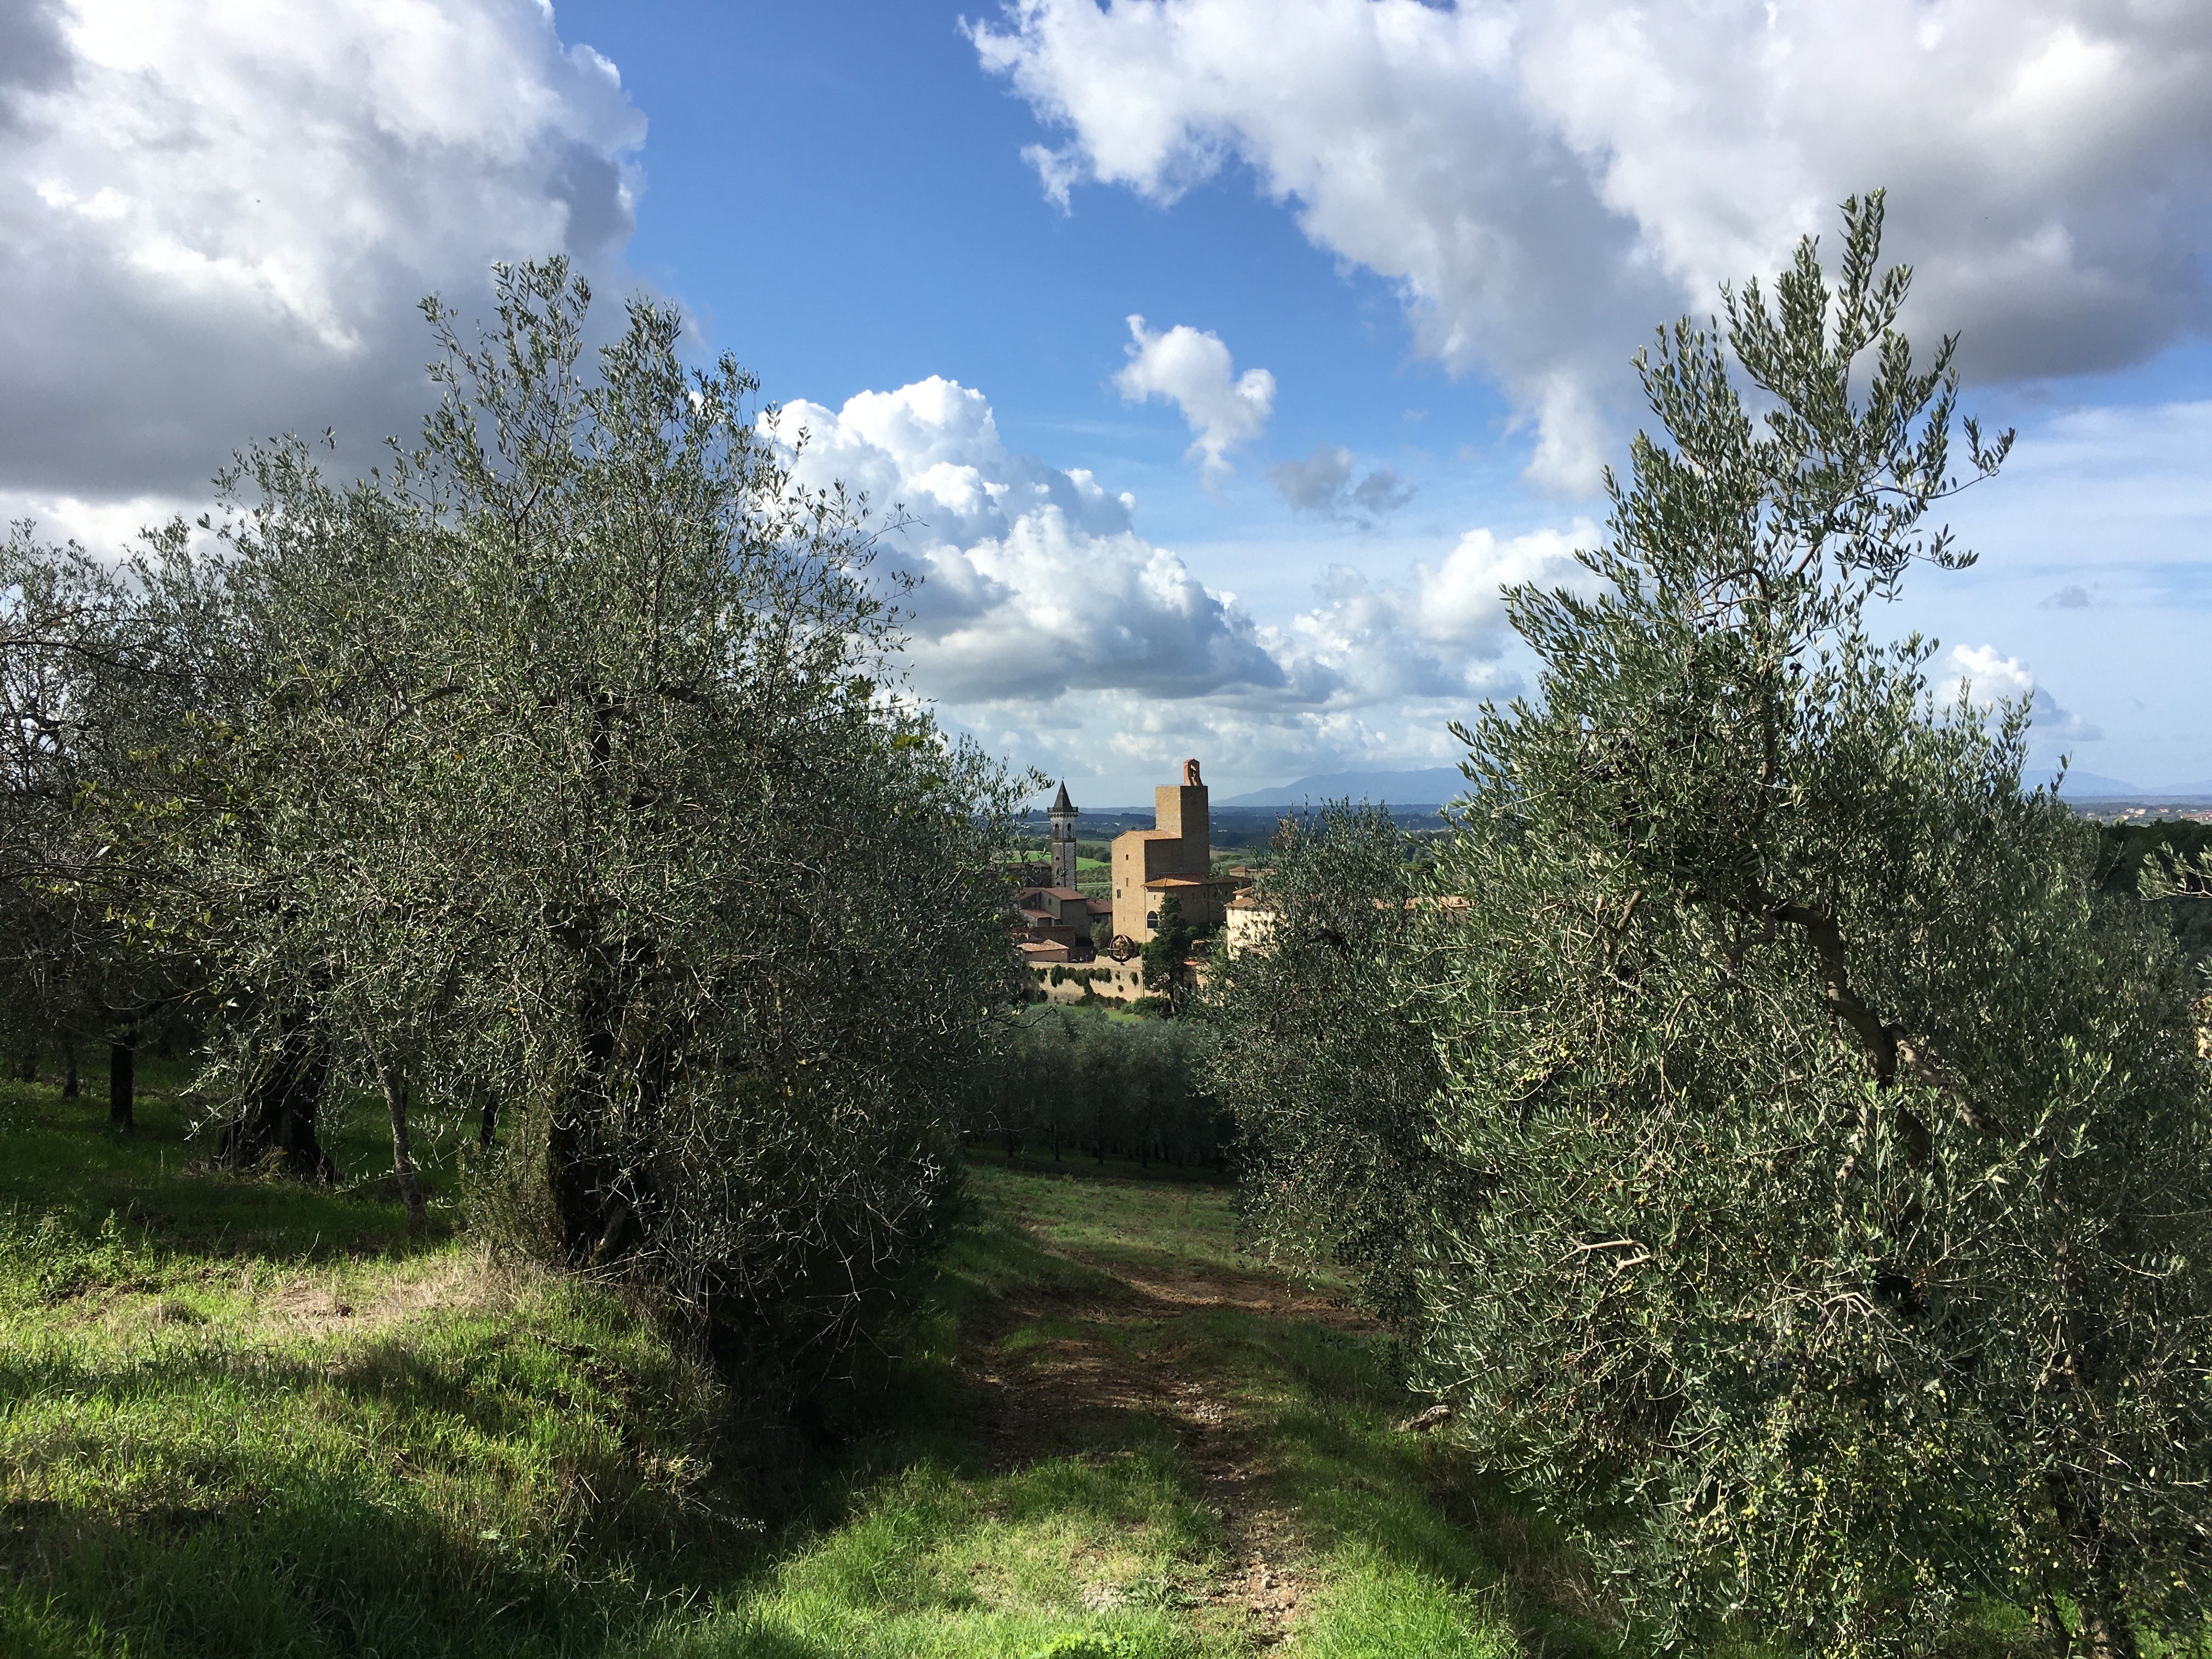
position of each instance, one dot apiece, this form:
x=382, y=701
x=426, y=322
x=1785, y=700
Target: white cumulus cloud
x=1034, y=583
x=1193, y=371
x=1442, y=634
x=1546, y=180
x=215, y=216
x=1045, y=619
x=1985, y=677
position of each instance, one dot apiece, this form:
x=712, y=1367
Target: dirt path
x=1099, y=1357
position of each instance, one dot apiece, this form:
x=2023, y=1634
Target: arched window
x=1152, y=918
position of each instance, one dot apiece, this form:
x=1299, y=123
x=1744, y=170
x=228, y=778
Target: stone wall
x=1108, y=980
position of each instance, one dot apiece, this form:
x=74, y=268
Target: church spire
x=1063, y=815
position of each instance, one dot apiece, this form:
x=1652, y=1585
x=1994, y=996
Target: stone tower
x=1062, y=814
x=1174, y=856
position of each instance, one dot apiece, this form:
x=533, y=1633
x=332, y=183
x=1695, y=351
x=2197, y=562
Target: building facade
x=1174, y=856
x=1248, y=925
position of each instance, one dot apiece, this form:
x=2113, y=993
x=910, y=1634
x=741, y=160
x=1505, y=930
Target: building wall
x=1105, y=978
x=1129, y=894
x=1180, y=811
x=1247, y=926
x=1179, y=844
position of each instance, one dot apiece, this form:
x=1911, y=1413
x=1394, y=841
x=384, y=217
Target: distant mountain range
x=1429, y=786
x=1435, y=785
x=2093, y=786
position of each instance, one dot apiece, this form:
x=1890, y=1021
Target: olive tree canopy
x=1808, y=1193
x=580, y=789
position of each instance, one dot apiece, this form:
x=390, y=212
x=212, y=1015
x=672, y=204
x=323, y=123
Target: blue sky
x=1390, y=258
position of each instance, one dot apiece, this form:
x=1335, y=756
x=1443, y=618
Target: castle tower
x=1062, y=814
x=1174, y=856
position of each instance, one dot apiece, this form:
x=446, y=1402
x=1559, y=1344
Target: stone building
x=1174, y=856
x=1248, y=925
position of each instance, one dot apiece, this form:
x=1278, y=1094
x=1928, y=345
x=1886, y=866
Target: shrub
x=1064, y=1079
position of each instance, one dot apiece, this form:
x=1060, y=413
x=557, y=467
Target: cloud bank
x=1044, y=619
x=1546, y=180
x=215, y=215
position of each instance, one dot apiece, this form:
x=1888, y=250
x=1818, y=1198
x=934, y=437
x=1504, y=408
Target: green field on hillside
x=238, y=1418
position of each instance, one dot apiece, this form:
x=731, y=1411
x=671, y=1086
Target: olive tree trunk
x=122, y=1077
x=392, y=1074
x=277, y=1118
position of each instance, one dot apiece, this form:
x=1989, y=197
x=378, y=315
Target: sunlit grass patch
x=928, y=1563
x=414, y=1455
x=1182, y=1224
x=1375, y=1609
x=1043, y=1333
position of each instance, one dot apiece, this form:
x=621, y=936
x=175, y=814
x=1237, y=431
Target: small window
x=1152, y=918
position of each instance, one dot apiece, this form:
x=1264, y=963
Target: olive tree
x=582, y=788
x=1820, y=1223
x=1330, y=1075
x=1837, y=1162
x=104, y=669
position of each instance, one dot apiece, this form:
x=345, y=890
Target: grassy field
x=241, y=1419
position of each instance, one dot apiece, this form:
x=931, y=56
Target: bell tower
x=1062, y=814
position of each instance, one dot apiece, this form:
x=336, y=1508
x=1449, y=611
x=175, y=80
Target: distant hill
x=1429, y=786
x=1433, y=786
x=2093, y=786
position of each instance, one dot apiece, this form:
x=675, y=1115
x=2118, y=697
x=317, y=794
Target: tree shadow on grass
x=321, y=1571
x=460, y=1488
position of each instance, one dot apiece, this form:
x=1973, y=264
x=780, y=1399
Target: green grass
x=242, y=1418
x=58, y=1156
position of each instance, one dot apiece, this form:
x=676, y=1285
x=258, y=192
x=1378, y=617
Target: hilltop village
x=1083, y=922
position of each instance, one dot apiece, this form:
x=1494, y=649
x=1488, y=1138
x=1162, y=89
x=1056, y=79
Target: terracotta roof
x=1059, y=892
x=1157, y=882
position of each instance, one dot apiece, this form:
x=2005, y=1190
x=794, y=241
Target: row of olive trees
x=1078, y=1081
x=80, y=688
x=1791, y=1169
x=556, y=777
